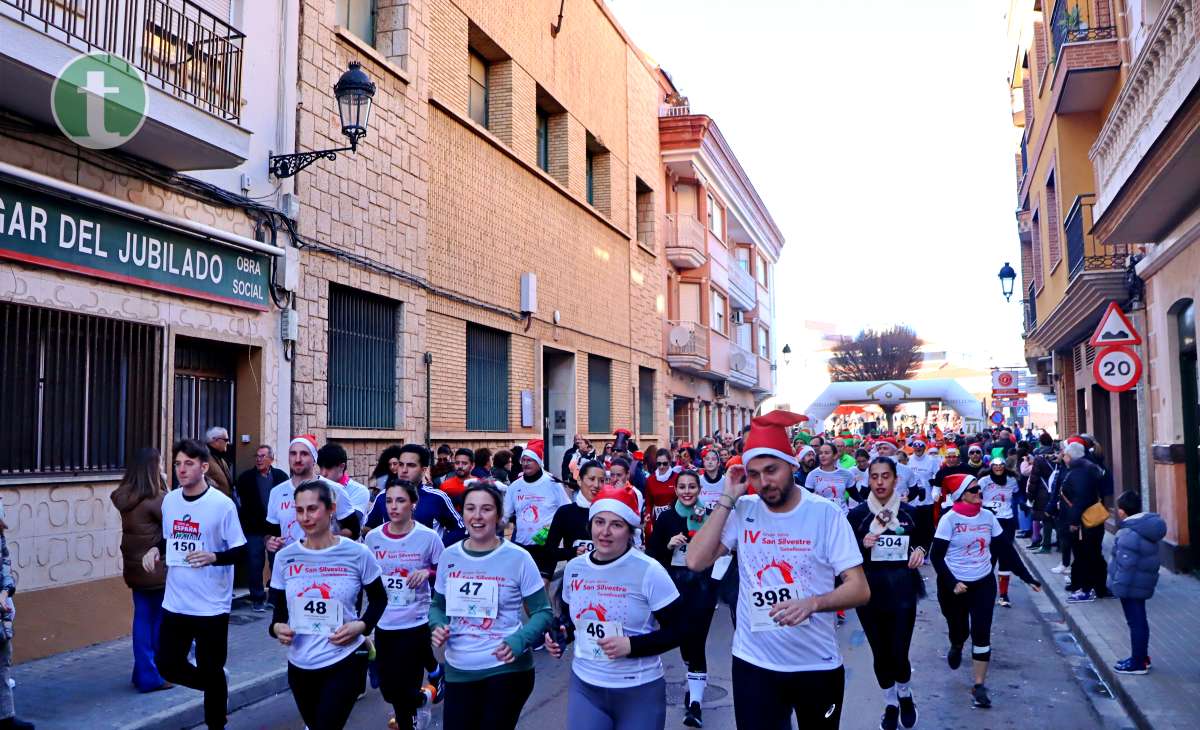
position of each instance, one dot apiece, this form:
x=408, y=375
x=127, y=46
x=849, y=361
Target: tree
x=891, y=354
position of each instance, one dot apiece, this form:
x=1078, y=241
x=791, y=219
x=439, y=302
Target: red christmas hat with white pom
x=769, y=437
x=535, y=450
x=621, y=501
x=954, y=486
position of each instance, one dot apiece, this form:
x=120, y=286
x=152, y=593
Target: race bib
x=997, y=503
x=315, y=616
x=679, y=557
x=466, y=598
x=583, y=543
x=398, y=592
x=659, y=510
x=890, y=548
x=764, y=598
x=721, y=566
x=588, y=634
x=179, y=549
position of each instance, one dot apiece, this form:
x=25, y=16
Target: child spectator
x=1133, y=573
x=8, y=587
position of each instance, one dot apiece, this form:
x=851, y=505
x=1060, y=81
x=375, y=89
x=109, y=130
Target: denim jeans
x=256, y=559
x=1139, y=627
x=147, y=619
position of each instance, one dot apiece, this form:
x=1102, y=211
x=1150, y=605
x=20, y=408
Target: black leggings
x=326, y=696
x=924, y=519
x=889, y=630
x=699, y=592
x=970, y=614
x=494, y=703
x=211, y=634
x=1010, y=533
x=764, y=699
x=402, y=656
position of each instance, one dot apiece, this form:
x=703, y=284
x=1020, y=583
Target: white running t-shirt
x=999, y=497
x=831, y=485
x=801, y=551
x=711, y=491
x=532, y=505
x=208, y=523
x=622, y=596
x=281, y=508
x=969, y=556
x=398, y=557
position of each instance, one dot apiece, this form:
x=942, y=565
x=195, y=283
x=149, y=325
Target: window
x=362, y=359
x=543, y=140
x=764, y=343
x=591, y=177
x=487, y=379
x=689, y=302
x=358, y=16
x=599, y=394
x=716, y=218
x=645, y=216
x=1052, y=223
x=717, y=321
x=646, y=400
x=743, y=258
x=762, y=273
x=477, y=101
x=81, y=393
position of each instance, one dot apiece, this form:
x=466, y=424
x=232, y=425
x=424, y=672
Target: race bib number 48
x=315, y=616
x=763, y=599
x=588, y=634
x=889, y=548
x=466, y=598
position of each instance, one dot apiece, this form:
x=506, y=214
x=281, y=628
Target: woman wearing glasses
x=962, y=556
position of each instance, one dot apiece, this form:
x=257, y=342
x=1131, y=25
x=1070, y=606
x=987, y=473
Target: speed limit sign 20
x=1117, y=368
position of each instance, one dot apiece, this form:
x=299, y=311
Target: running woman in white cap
x=791, y=544
x=962, y=551
x=624, y=613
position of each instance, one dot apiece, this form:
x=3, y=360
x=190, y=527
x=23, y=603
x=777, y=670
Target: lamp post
x=787, y=354
x=1007, y=277
x=354, y=92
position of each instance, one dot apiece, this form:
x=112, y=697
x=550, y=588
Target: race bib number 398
x=763, y=599
x=466, y=598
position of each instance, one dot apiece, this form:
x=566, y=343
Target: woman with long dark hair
x=139, y=499
x=387, y=468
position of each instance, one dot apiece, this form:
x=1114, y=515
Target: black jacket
x=1080, y=489
x=892, y=583
x=253, y=511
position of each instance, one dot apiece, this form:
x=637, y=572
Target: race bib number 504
x=764, y=598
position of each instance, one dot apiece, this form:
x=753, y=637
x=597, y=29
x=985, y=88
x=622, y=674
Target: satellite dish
x=680, y=335
x=739, y=361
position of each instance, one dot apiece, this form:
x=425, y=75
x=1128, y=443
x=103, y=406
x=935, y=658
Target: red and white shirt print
x=398, y=557
x=532, y=505
x=999, y=497
x=803, y=550
x=969, y=556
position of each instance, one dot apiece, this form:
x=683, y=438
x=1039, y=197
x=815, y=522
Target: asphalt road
x=1039, y=678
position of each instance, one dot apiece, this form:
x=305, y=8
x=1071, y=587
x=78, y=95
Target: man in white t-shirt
x=281, y=506
x=791, y=545
x=202, y=541
x=530, y=503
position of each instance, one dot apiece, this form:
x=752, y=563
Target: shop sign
x=44, y=229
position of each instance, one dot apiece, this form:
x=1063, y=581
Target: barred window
x=81, y=393
x=646, y=400
x=362, y=359
x=487, y=379
x=599, y=394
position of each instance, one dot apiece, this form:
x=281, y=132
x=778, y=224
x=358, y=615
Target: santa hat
x=621, y=440
x=535, y=450
x=308, y=441
x=734, y=460
x=768, y=437
x=1077, y=440
x=954, y=485
x=621, y=501
x=803, y=452
x=888, y=440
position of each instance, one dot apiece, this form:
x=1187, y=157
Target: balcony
x=688, y=346
x=766, y=378
x=1085, y=53
x=1084, y=252
x=190, y=59
x=743, y=291
x=686, y=241
x=743, y=366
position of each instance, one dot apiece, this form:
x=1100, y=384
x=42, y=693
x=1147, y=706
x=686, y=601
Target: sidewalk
x=1167, y=697
x=90, y=688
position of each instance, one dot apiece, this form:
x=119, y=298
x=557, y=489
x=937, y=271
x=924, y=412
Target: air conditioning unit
x=739, y=317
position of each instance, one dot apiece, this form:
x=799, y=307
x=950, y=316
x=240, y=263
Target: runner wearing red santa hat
x=530, y=503
x=791, y=545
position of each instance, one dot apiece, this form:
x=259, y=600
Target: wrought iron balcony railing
x=1075, y=21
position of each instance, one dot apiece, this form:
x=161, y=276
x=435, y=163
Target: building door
x=1101, y=423
x=558, y=406
x=1080, y=411
x=205, y=389
x=1189, y=400
x=1131, y=457
x=682, y=409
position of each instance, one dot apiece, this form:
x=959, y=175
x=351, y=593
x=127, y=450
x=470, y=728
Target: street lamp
x=1007, y=277
x=787, y=354
x=354, y=92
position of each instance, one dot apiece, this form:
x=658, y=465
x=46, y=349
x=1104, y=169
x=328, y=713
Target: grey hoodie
x=1133, y=570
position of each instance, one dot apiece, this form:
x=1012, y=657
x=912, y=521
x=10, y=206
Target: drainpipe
x=1140, y=317
x=428, y=398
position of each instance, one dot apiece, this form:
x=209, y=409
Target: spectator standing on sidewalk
x=1133, y=575
x=253, y=489
x=8, y=587
x=1081, y=490
x=139, y=499
x=220, y=470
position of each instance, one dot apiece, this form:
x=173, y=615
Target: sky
x=879, y=134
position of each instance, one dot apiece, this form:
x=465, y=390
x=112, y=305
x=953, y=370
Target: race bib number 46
x=763, y=599
x=466, y=598
x=588, y=634
x=315, y=616
x=889, y=548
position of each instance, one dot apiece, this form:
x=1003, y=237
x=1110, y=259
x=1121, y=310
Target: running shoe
x=1060, y=569
x=1043, y=551
x=259, y=607
x=954, y=656
x=438, y=679
x=908, y=712
x=1081, y=597
x=1004, y=602
x=423, y=718
x=1131, y=666
x=979, y=697
x=890, y=719
x=1035, y=545
x=694, y=716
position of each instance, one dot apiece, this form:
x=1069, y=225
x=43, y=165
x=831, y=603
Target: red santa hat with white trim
x=769, y=437
x=621, y=501
x=954, y=485
x=308, y=441
x=535, y=450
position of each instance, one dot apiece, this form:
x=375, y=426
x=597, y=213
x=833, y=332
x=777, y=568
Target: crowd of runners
x=438, y=580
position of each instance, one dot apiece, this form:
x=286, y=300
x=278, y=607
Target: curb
x=191, y=713
x=1110, y=677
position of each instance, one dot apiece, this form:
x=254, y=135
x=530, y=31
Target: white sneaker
x=423, y=718
x=1060, y=569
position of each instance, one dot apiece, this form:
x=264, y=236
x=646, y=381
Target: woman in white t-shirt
x=315, y=584
x=999, y=490
x=483, y=583
x=712, y=479
x=624, y=612
x=963, y=546
x=408, y=554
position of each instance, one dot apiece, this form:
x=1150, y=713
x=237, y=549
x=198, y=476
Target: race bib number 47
x=588, y=634
x=763, y=599
x=466, y=598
